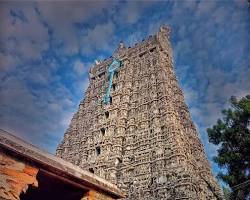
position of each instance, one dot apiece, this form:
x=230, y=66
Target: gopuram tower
x=134, y=129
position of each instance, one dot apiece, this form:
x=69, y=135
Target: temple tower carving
x=142, y=138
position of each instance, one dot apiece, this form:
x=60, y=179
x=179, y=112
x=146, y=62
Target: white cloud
x=35, y=115
x=132, y=11
x=30, y=37
x=82, y=84
x=191, y=95
x=99, y=37
x=8, y=62
x=62, y=16
x=79, y=67
x=205, y=7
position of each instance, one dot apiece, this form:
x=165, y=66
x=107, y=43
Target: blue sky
x=46, y=49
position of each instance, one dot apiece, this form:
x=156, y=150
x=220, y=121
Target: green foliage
x=226, y=193
x=232, y=135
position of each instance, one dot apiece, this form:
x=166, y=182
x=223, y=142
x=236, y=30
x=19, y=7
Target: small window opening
x=107, y=114
x=142, y=54
x=153, y=49
x=103, y=131
x=151, y=130
x=102, y=74
x=116, y=74
x=91, y=170
x=114, y=87
x=98, y=150
x=110, y=100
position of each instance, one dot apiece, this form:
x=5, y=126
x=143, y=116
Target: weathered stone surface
x=144, y=140
x=15, y=177
x=93, y=195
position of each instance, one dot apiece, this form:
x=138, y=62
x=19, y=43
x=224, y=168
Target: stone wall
x=16, y=176
x=93, y=195
x=144, y=140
